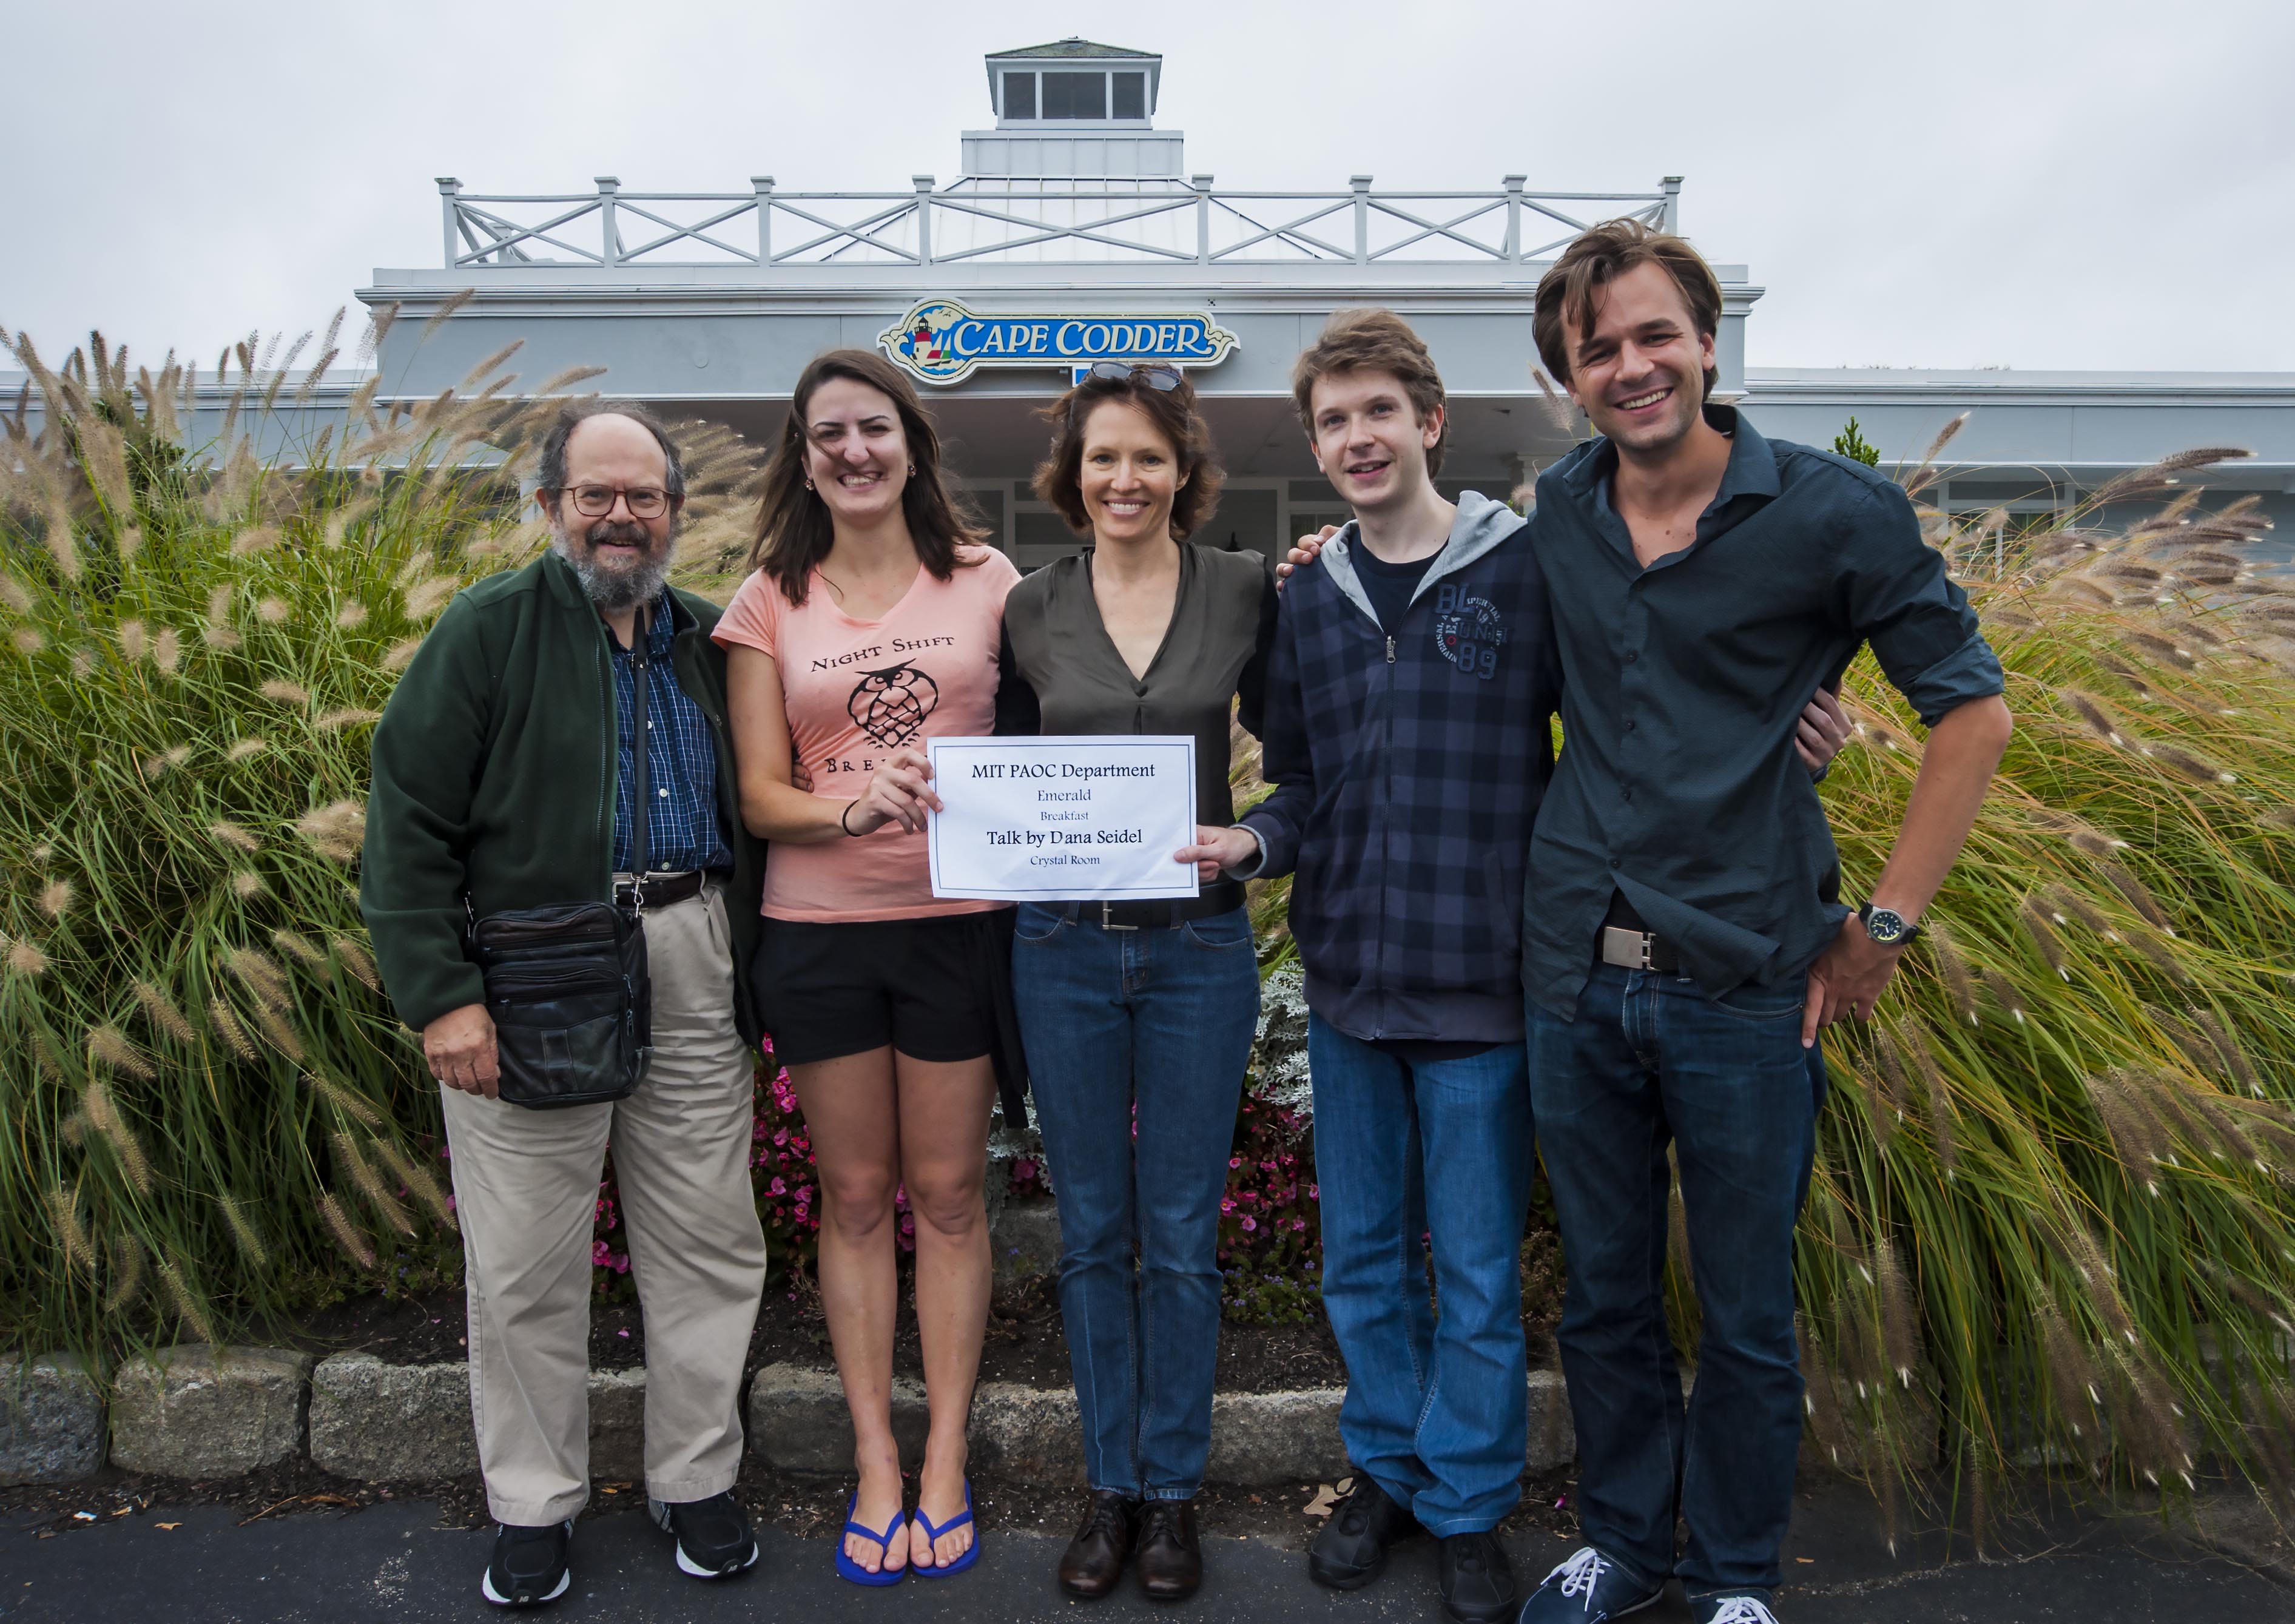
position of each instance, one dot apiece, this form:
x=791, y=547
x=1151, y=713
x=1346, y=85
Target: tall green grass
x=2052, y=1221
x=212, y=1115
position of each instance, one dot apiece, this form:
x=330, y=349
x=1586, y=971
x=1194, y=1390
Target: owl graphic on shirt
x=890, y=705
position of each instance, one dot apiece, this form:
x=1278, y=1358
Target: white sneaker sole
x=686, y=1564
x=487, y=1589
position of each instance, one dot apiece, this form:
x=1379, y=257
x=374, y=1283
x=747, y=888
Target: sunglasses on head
x=1160, y=378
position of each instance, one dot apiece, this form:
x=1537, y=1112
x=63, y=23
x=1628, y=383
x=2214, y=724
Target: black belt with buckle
x=660, y=890
x=1637, y=950
x=1153, y=914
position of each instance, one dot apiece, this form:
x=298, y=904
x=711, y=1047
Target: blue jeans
x=1649, y=1060
x=1137, y=1042
x=1436, y=1410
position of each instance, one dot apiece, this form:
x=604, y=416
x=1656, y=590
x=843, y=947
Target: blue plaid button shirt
x=681, y=827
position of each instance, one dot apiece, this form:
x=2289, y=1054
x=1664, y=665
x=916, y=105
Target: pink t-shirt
x=855, y=691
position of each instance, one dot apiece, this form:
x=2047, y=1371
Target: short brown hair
x=1565, y=293
x=1373, y=341
x=1059, y=477
x=794, y=529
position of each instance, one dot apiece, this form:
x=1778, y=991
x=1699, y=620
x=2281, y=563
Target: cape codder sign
x=940, y=342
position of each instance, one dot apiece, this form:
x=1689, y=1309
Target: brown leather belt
x=1637, y=950
x=662, y=889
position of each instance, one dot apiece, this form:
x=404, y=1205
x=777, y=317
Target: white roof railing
x=1040, y=219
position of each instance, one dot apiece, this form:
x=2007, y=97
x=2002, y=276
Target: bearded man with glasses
x=508, y=777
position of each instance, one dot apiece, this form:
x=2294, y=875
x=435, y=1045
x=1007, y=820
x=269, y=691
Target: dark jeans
x=1651, y=1060
x=1137, y=1041
x=1436, y=1410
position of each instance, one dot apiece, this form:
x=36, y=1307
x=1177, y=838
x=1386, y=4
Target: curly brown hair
x=1059, y=477
x=794, y=529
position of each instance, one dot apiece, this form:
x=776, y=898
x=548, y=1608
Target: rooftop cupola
x=1074, y=108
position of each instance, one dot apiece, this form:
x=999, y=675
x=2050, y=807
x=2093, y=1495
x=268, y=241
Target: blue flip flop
x=971, y=1551
x=848, y=1569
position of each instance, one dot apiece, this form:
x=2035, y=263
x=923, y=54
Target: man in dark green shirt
x=1684, y=935
x=505, y=773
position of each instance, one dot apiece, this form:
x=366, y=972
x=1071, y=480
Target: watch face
x=1885, y=926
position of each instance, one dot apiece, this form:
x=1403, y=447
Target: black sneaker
x=1478, y=1583
x=1588, y=1589
x=712, y=1535
x=1732, y=1607
x=529, y=1566
x=1351, y=1549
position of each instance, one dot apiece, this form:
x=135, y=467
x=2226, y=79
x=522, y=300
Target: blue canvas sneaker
x=1588, y=1589
x=1732, y=1607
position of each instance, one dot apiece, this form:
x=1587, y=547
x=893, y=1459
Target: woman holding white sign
x=1139, y=1016
x=870, y=623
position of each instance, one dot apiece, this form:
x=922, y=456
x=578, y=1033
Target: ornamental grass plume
x=2083, y=1201
x=185, y=699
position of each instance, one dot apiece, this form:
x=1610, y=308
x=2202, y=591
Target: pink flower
x=1250, y=1223
x=779, y=1188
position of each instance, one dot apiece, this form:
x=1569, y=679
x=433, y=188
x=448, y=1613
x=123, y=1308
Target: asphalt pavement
x=394, y=1562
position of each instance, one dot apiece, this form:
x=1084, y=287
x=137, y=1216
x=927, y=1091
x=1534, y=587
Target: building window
x=1131, y=96
x=1075, y=95
x=1019, y=95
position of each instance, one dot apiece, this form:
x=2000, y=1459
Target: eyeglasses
x=1164, y=379
x=597, y=501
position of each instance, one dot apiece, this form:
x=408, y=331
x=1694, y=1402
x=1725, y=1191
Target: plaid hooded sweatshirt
x=1409, y=764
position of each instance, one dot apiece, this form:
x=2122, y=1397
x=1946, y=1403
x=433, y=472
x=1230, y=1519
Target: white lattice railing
x=1016, y=218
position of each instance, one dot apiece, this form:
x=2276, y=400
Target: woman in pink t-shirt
x=870, y=622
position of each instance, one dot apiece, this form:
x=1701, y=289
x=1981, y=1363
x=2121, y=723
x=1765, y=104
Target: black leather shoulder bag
x=567, y=985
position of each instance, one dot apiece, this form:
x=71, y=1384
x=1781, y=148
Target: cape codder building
x=1074, y=231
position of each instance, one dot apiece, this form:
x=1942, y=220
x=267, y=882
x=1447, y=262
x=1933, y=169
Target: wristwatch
x=1887, y=926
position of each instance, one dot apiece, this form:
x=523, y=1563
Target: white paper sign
x=1045, y=820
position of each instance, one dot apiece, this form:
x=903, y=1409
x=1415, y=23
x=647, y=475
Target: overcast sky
x=1944, y=182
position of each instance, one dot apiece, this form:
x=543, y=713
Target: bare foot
x=880, y=1503
x=940, y=1497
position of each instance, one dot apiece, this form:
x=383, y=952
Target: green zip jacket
x=494, y=775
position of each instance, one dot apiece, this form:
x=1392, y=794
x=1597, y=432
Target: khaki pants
x=525, y=1190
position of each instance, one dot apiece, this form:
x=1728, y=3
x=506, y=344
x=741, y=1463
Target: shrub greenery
x=2052, y=1217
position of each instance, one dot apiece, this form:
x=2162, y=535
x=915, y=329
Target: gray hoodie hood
x=1480, y=525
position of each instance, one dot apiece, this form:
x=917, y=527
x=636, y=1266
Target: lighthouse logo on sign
x=940, y=342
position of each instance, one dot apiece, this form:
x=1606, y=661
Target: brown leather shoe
x=1170, y=1565
x=1094, y=1558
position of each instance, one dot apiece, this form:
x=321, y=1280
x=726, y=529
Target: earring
x=808, y=485
x=912, y=470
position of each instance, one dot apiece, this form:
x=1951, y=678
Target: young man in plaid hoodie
x=1402, y=671
x=1407, y=733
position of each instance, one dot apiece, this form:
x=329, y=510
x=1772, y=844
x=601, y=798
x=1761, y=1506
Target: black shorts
x=827, y=990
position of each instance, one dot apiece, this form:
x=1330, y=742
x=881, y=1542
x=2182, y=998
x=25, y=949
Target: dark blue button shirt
x=681, y=827
x=1679, y=785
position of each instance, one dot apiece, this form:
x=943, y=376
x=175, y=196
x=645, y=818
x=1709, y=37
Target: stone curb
x=51, y=1421
x=383, y=1423
x=188, y=1414
x=797, y=1423
x=196, y=1411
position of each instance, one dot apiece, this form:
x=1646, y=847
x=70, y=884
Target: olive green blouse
x=1060, y=672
